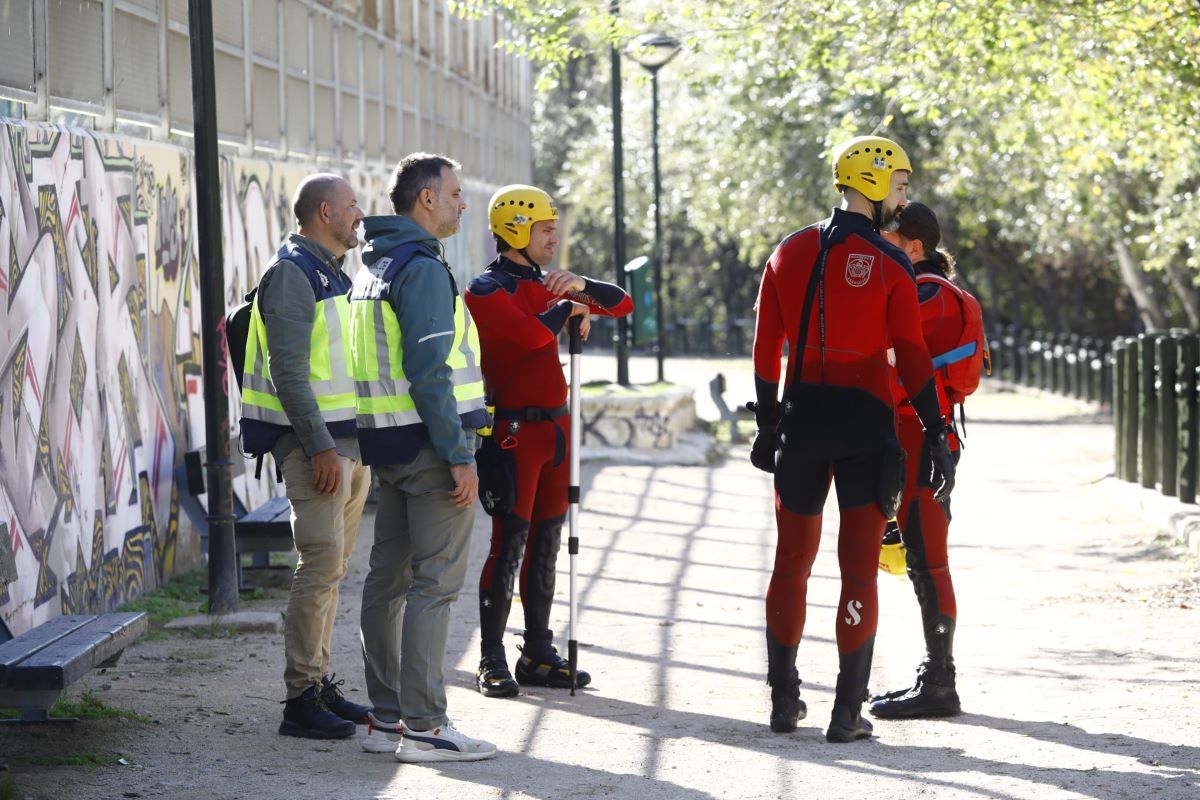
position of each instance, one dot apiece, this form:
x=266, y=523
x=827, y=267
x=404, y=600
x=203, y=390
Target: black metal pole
x=222, y=556
x=659, y=349
x=619, y=207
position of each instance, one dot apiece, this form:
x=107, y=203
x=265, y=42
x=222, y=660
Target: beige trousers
x=325, y=527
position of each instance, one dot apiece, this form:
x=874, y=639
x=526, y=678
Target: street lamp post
x=618, y=166
x=653, y=51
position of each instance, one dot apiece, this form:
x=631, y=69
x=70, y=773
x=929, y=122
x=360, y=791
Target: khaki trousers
x=325, y=527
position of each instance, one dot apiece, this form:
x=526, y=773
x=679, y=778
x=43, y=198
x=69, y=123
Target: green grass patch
x=179, y=597
x=8, y=789
x=88, y=758
x=746, y=427
x=86, y=706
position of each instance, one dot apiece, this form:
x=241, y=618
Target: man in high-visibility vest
x=298, y=404
x=415, y=358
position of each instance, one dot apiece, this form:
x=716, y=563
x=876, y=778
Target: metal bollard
x=1071, y=354
x=1082, y=357
x=1148, y=409
x=1121, y=358
x=1010, y=345
x=1189, y=415
x=1132, y=416
x=1024, y=357
x=1058, y=363
x=1049, y=373
x=1108, y=364
x=1168, y=412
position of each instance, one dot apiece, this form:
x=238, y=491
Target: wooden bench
x=36, y=666
x=265, y=530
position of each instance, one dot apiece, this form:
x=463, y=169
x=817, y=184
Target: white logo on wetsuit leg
x=858, y=269
x=855, y=618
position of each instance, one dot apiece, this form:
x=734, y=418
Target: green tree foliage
x=1055, y=139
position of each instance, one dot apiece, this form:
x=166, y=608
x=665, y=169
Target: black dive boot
x=541, y=665
x=934, y=693
x=854, y=670
x=786, y=706
x=493, y=678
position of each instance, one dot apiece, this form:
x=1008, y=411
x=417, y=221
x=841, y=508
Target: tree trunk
x=1181, y=284
x=1135, y=280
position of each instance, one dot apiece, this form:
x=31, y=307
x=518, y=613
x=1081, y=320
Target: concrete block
x=241, y=621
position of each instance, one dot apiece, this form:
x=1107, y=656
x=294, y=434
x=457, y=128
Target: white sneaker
x=382, y=737
x=444, y=743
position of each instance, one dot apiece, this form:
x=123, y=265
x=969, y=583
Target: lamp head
x=653, y=50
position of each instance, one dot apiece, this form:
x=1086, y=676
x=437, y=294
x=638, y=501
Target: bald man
x=298, y=404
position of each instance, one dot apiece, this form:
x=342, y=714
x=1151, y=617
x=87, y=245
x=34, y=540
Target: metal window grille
x=338, y=80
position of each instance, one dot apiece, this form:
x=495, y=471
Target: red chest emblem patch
x=858, y=269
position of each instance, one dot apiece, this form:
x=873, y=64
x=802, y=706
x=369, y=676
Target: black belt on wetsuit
x=532, y=413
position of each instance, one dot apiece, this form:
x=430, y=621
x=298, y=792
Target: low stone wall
x=617, y=417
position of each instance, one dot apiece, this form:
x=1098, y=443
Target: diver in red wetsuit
x=519, y=311
x=840, y=296
x=924, y=522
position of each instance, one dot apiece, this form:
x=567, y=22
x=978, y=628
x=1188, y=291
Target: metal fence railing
x=1156, y=410
x=1063, y=363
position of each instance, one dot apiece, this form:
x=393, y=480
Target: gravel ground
x=1079, y=635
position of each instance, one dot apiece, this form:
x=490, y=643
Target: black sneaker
x=786, y=706
x=494, y=680
x=333, y=699
x=548, y=669
x=306, y=716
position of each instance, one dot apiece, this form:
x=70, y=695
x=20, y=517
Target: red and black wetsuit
x=837, y=422
x=519, y=321
x=924, y=522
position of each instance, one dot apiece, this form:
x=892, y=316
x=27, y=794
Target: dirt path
x=1078, y=643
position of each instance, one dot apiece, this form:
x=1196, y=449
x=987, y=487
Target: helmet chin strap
x=529, y=260
x=877, y=217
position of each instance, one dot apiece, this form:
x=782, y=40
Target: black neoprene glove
x=762, y=450
x=937, y=440
x=942, y=479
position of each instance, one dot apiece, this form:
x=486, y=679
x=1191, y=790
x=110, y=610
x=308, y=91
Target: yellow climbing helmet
x=513, y=210
x=866, y=164
x=892, y=559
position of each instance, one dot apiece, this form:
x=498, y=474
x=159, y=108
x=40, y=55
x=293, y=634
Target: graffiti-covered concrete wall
x=100, y=353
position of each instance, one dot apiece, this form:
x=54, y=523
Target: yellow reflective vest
x=329, y=353
x=383, y=392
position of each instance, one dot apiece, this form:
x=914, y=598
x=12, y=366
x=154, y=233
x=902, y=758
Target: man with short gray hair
x=298, y=405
